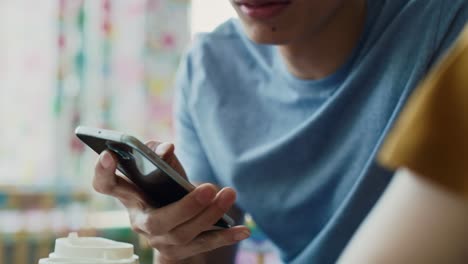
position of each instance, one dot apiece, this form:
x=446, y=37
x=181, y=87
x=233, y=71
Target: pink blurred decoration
x=106, y=27
x=129, y=70
x=154, y=5
x=168, y=40
x=106, y=6
x=61, y=42
x=136, y=8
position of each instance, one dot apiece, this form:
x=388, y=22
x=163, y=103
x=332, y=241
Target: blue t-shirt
x=300, y=153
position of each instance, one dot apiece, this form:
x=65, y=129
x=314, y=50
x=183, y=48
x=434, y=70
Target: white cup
x=86, y=250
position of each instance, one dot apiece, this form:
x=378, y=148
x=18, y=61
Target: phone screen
x=160, y=187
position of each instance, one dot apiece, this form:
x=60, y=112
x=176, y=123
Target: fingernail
x=163, y=148
x=241, y=235
x=205, y=195
x=106, y=160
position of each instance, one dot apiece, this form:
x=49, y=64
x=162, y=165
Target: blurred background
x=105, y=63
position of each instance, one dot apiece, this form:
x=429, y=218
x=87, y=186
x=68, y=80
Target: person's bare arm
x=415, y=221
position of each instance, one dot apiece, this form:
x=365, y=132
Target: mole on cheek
x=273, y=29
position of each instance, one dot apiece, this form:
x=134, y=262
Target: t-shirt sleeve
x=431, y=135
x=189, y=149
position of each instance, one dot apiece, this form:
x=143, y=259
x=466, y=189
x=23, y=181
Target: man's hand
x=182, y=229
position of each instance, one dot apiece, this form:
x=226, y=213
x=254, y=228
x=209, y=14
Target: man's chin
x=268, y=41
x=267, y=36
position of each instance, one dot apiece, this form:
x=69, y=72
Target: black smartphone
x=159, y=181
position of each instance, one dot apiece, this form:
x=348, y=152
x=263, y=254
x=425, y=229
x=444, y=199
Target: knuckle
x=156, y=243
x=222, y=238
x=213, y=214
x=180, y=238
x=218, y=238
x=212, y=186
x=201, y=242
x=191, y=206
x=209, y=241
x=136, y=229
x=170, y=253
x=104, y=187
x=140, y=204
x=167, y=252
x=152, y=225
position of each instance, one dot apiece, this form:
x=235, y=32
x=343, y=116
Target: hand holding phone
x=177, y=228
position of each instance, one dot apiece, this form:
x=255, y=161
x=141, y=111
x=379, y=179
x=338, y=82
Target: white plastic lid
x=82, y=261
x=74, y=249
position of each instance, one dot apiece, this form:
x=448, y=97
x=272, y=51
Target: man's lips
x=261, y=2
x=262, y=9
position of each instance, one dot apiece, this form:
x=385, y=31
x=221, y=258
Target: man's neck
x=322, y=53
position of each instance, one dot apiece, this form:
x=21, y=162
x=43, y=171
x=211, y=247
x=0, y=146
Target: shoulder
x=437, y=16
x=448, y=15
x=453, y=16
x=414, y=28
x=446, y=20
x=421, y=6
x=429, y=14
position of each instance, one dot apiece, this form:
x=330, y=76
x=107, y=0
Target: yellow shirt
x=431, y=135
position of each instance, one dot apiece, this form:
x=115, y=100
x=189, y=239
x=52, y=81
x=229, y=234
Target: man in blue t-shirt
x=288, y=107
